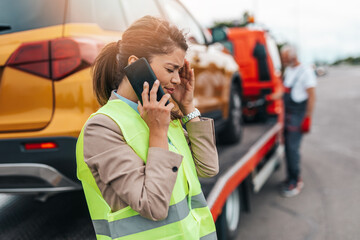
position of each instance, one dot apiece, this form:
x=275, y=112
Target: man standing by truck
x=299, y=99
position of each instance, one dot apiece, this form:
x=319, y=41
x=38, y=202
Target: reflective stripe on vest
x=126, y=223
x=134, y=224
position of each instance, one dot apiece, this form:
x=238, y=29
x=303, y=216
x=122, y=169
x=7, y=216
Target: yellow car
x=46, y=51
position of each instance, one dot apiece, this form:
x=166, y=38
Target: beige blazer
x=124, y=179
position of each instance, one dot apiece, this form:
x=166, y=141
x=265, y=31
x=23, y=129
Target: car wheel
x=232, y=132
x=227, y=225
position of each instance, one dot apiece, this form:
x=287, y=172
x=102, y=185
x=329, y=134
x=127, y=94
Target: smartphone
x=138, y=72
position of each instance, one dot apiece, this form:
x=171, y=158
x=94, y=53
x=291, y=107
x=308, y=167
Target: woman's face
x=166, y=68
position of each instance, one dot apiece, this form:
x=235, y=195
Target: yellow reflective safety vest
x=188, y=216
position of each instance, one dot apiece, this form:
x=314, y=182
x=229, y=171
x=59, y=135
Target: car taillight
x=39, y=146
x=32, y=57
x=55, y=59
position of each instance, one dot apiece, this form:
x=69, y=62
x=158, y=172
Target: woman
x=138, y=166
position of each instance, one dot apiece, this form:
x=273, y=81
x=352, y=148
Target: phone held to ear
x=138, y=72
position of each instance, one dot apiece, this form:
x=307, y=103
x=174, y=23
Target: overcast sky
x=321, y=29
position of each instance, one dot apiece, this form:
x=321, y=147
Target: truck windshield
x=21, y=15
x=274, y=52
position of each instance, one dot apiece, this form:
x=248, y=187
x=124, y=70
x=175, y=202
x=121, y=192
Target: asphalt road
x=328, y=208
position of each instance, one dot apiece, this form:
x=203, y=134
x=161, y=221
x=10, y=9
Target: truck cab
x=257, y=56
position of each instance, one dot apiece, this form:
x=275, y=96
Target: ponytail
x=105, y=71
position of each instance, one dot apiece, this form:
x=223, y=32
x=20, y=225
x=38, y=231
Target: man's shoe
x=292, y=190
x=284, y=184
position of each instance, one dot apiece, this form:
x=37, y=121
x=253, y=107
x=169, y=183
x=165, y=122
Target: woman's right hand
x=156, y=115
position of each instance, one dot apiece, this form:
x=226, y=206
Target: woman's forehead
x=175, y=58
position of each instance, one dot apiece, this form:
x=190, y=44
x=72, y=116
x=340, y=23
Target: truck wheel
x=233, y=130
x=227, y=225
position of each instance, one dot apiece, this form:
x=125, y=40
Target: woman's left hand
x=184, y=92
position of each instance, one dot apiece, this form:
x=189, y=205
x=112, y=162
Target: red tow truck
x=245, y=166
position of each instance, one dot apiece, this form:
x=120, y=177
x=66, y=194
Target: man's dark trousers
x=294, y=115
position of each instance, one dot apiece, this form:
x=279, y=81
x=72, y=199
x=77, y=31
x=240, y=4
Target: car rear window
x=107, y=14
x=135, y=9
x=21, y=15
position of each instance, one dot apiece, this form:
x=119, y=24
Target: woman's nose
x=176, y=79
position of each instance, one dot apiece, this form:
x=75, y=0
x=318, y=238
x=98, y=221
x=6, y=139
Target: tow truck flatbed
x=260, y=142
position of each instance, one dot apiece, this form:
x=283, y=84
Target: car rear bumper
x=40, y=170
x=33, y=178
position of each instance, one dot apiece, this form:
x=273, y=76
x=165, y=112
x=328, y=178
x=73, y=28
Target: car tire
x=233, y=129
x=228, y=223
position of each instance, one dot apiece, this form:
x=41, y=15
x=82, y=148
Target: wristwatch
x=190, y=116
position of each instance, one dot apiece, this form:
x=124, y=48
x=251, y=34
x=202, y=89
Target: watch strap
x=192, y=115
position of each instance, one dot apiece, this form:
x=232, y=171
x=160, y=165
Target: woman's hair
x=146, y=37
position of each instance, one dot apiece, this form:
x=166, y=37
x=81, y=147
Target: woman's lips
x=170, y=90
